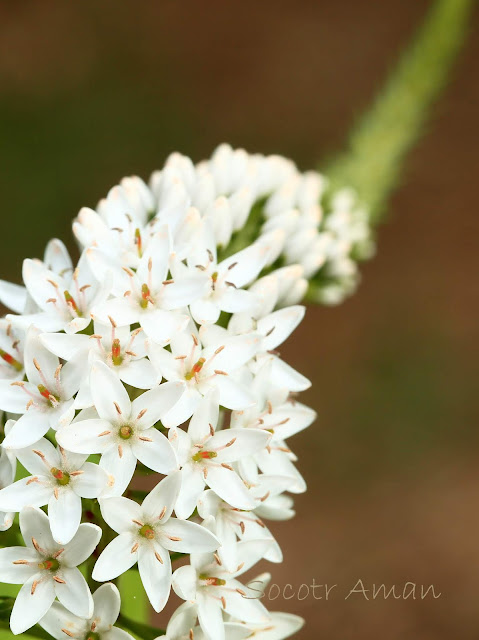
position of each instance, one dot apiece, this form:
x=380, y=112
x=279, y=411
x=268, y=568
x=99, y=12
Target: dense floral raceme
x=157, y=353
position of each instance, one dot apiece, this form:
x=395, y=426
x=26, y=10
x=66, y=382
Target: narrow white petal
x=91, y=482
x=120, y=468
x=74, y=593
x=30, y=608
x=11, y=573
x=115, y=559
x=83, y=436
x=192, y=486
x=162, y=499
x=155, y=452
x=108, y=393
x=119, y=513
x=64, y=512
x=210, y=617
x=228, y=485
x=106, y=601
x=193, y=538
x=34, y=524
x=156, y=403
x=82, y=545
x=59, y=618
x=25, y=493
x=155, y=575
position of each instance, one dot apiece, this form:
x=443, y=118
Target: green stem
x=381, y=139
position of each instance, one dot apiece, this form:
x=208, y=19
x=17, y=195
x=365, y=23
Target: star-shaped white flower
x=64, y=300
x=202, y=369
x=47, y=570
x=124, y=431
x=46, y=400
x=205, y=458
x=147, y=533
x=62, y=624
x=60, y=479
x=150, y=298
x=214, y=589
x=232, y=525
x=225, y=279
x=123, y=351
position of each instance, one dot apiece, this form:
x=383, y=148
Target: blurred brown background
x=92, y=91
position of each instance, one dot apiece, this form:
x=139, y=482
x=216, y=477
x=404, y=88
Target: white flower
x=147, y=533
x=60, y=479
x=232, y=524
x=62, y=624
x=214, y=589
x=64, y=300
x=123, y=351
x=225, y=279
x=149, y=298
x=46, y=400
x=202, y=369
x=8, y=467
x=124, y=431
x=47, y=570
x=205, y=458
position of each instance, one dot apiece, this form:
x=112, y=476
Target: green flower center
x=203, y=455
x=50, y=564
x=147, y=532
x=125, y=432
x=62, y=477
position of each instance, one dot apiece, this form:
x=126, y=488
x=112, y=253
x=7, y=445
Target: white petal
x=237, y=300
x=140, y=374
x=117, y=634
x=206, y=414
x=163, y=496
x=249, y=609
x=11, y=573
x=205, y=311
x=183, y=409
x=74, y=593
x=246, y=442
x=193, y=537
x=35, y=463
x=58, y=618
x=155, y=453
x=233, y=395
x=237, y=351
x=248, y=263
x=82, y=545
x=115, y=559
x=161, y=326
x=34, y=523
x=21, y=494
x=106, y=391
x=119, y=513
x=228, y=485
x=13, y=296
x=65, y=515
x=210, y=617
x=91, y=482
x=13, y=398
x=30, y=608
x=28, y=429
x=156, y=403
x=277, y=326
x=83, y=436
x=106, y=601
x=192, y=486
x=121, y=468
x=184, y=582
x=122, y=310
x=155, y=575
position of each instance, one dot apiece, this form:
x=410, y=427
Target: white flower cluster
x=158, y=351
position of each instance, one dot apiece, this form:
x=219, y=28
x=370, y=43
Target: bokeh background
x=92, y=91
